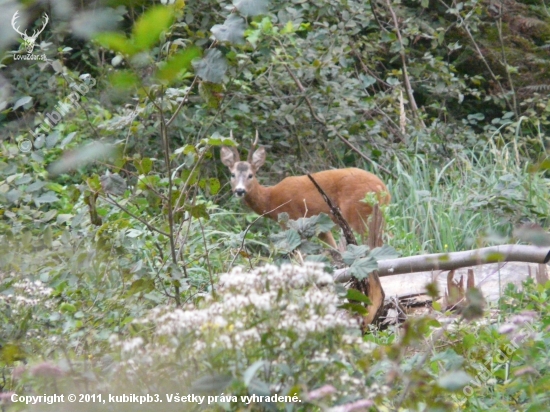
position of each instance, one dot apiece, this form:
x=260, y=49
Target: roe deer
x=297, y=195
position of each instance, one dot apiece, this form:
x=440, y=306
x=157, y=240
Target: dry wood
x=374, y=289
x=542, y=274
x=455, y=260
x=335, y=210
x=370, y=287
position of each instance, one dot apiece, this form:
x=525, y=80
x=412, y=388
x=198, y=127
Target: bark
x=456, y=260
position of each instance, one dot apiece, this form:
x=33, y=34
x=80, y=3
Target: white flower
x=132, y=344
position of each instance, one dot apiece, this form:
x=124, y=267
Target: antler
x=253, y=148
x=13, y=19
x=46, y=20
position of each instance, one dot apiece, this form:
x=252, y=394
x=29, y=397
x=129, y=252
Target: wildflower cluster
x=25, y=294
x=286, y=317
x=22, y=302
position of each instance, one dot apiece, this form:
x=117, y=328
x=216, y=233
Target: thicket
x=116, y=222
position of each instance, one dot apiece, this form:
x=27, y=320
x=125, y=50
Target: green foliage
x=119, y=208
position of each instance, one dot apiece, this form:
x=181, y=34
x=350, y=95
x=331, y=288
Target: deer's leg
x=327, y=238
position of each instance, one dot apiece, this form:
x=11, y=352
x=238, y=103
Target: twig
x=248, y=228
x=375, y=14
x=479, y=53
x=322, y=122
x=149, y=226
x=365, y=157
x=169, y=209
x=406, y=79
x=335, y=210
x=505, y=64
x=184, y=100
x=417, y=366
x=207, y=255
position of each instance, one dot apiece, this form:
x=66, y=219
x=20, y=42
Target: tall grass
x=472, y=200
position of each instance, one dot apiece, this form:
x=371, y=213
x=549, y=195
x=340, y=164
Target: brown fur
x=298, y=197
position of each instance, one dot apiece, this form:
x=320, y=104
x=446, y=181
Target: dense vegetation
x=116, y=223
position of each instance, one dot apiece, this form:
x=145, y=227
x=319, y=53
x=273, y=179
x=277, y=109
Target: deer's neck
x=258, y=198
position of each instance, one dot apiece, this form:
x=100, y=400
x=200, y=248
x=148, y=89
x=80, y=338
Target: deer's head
x=243, y=174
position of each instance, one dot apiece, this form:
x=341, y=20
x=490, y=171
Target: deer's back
x=345, y=187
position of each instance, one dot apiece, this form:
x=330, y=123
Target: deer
x=297, y=196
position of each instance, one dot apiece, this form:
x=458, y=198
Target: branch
x=248, y=228
x=506, y=67
x=406, y=79
x=321, y=121
x=456, y=260
x=335, y=210
x=147, y=224
x=462, y=23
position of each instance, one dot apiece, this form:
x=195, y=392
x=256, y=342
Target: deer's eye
x=250, y=176
x=232, y=174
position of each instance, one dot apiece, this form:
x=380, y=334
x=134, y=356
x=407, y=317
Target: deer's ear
x=229, y=156
x=258, y=158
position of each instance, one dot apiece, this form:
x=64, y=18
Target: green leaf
x=355, y=308
x=13, y=195
x=116, y=42
x=211, y=93
x=22, y=101
x=150, y=25
x=251, y=7
x=49, y=215
x=353, y=253
x=361, y=268
x=323, y=223
x=474, y=304
x=213, y=185
x=124, y=79
x=113, y=183
x=48, y=197
x=304, y=226
x=47, y=236
x=384, y=252
x=67, y=308
x=35, y=186
x=211, y=67
x=354, y=294
x=23, y=180
x=232, y=30
x=198, y=211
x=210, y=384
x=469, y=341
x=177, y=63
x=81, y=156
x=251, y=371
x=187, y=175
x=143, y=166
x=259, y=387
x=454, y=381
x=287, y=241
x=10, y=353
x=541, y=166
x=56, y=187
x=141, y=285
x=319, y=258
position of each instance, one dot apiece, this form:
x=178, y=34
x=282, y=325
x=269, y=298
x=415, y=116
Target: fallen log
x=456, y=260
